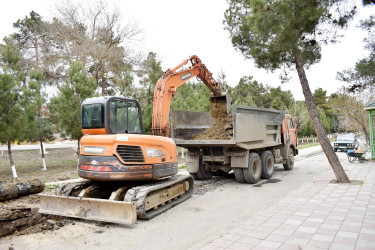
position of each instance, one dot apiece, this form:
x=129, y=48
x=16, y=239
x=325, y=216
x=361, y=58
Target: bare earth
x=20, y=216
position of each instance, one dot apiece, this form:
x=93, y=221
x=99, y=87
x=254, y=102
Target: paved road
x=217, y=206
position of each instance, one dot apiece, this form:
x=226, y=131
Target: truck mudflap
x=117, y=203
x=89, y=208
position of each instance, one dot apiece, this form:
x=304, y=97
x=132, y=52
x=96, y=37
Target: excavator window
x=92, y=116
x=124, y=117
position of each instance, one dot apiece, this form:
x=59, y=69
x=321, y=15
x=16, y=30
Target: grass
x=308, y=145
x=66, y=162
x=50, y=187
x=182, y=167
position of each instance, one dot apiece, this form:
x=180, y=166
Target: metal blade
x=89, y=209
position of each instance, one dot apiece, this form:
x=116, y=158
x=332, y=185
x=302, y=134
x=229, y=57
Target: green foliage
x=362, y=76
x=308, y=129
x=150, y=73
x=76, y=89
x=192, y=97
x=40, y=126
x=325, y=120
x=252, y=93
x=13, y=96
x=272, y=32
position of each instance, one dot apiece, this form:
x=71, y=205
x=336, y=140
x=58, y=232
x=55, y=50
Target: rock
x=51, y=221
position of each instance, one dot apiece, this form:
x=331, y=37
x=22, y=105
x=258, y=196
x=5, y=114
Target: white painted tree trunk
x=14, y=171
x=44, y=164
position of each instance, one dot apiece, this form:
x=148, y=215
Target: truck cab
x=289, y=131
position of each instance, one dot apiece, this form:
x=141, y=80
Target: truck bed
x=252, y=128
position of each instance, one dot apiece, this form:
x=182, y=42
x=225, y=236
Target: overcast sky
x=177, y=29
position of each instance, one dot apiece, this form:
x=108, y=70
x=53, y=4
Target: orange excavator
x=127, y=174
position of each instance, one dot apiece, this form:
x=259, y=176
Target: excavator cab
x=111, y=115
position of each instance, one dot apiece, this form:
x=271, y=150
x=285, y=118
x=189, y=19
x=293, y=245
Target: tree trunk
x=78, y=147
x=11, y=161
x=15, y=188
x=43, y=159
x=318, y=127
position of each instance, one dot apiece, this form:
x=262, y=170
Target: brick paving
x=319, y=215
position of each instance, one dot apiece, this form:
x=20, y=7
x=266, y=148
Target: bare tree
x=353, y=116
x=95, y=34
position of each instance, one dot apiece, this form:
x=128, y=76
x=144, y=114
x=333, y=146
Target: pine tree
x=74, y=91
x=288, y=34
x=13, y=118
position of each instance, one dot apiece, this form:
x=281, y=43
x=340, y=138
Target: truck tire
x=290, y=160
x=202, y=174
x=268, y=165
x=253, y=172
x=238, y=174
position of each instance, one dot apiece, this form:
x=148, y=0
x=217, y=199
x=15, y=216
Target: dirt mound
x=222, y=128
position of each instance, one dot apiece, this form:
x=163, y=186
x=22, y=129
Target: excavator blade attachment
x=88, y=208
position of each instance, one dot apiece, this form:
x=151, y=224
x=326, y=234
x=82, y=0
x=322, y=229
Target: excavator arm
x=166, y=88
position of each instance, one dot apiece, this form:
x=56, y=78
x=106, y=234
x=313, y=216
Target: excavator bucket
x=222, y=102
x=88, y=208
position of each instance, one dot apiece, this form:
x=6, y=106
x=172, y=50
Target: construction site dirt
x=222, y=128
x=20, y=216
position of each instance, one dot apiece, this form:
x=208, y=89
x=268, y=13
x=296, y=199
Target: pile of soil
x=222, y=128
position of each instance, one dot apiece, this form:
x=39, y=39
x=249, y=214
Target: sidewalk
x=319, y=215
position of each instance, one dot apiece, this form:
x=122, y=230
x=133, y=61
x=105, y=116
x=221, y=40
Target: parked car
x=345, y=142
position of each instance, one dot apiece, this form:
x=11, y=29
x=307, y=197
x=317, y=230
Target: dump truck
x=250, y=142
x=128, y=174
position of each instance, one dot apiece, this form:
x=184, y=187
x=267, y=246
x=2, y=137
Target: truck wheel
x=202, y=174
x=290, y=160
x=254, y=170
x=268, y=166
x=238, y=174
x=335, y=149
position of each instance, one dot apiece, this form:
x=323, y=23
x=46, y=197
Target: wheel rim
x=256, y=168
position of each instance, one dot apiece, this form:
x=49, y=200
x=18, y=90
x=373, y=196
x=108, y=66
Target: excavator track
x=117, y=202
x=155, y=198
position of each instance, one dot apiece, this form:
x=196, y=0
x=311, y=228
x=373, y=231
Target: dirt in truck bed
x=222, y=128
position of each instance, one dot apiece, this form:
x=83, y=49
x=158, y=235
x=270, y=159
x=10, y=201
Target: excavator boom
x=166, y=88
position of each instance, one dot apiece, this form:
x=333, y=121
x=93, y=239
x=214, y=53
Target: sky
x=175, y=30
